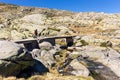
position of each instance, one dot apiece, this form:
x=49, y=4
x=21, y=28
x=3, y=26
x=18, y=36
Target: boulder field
x=98, y=62
x=94, y=55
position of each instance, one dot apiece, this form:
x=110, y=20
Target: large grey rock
x=35, y=18
x=44, y=56
x=77, y=69
x=106, y=56
x=13, y=58
x=45, y=45
x=92, y=39
x=100, y=71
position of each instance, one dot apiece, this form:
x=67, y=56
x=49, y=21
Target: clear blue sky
x=108, y=6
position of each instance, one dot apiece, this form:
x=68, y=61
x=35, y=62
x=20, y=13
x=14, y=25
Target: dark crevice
x=37, y=69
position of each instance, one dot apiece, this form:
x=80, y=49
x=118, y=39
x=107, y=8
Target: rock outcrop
x=77, y=69
x=13, y=58
x=107, y=57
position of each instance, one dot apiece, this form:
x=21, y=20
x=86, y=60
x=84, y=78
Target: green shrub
x=103, y=44
x=106, y=44
x=84, y=43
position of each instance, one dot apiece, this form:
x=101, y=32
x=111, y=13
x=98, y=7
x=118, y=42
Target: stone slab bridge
x=33, y=43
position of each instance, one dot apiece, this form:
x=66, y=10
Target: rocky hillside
x=17, y=22
x=97, y=37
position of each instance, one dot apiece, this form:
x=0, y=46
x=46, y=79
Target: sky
x=107, y=6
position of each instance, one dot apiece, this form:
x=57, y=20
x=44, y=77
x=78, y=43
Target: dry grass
x=50, y=76
x=85, y=30
x=11, y=78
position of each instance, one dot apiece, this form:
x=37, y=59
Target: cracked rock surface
x=13, y=58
